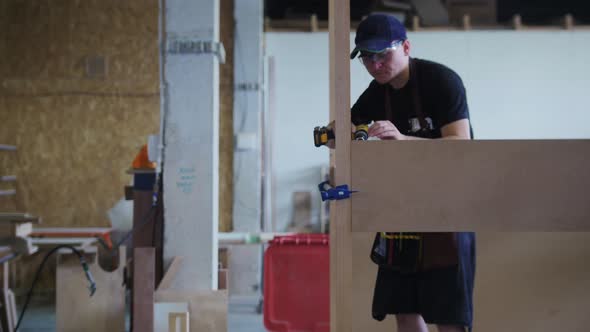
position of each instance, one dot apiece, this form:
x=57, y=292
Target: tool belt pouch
x=412, y=252
x=397, y=251
x=439, y=250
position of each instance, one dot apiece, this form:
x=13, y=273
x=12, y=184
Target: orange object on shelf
x=142, y=160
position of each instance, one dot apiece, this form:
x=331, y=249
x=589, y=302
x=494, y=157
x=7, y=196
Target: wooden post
x=143, y=289
x=466, y=22
x=267, y=24
x=568, y=21
x=340, y=221
x=8, y=298
x=415, y=23
x=516, y=22
x=313, y=23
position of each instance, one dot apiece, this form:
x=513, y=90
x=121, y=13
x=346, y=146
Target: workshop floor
x=242, y=316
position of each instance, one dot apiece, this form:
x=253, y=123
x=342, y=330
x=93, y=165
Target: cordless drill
x=321, y=135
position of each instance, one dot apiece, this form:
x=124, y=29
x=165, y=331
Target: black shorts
x=442, y=296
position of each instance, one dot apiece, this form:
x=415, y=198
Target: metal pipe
x=4, y=147
x=7, y=178
x=7, y=192
x=247, y=238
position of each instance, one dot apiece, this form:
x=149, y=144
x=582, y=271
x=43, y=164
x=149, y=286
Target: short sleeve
x=452, y=105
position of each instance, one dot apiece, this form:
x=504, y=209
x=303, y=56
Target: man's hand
x=385, y=130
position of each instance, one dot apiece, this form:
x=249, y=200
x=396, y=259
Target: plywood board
x=519, y=185
x=143, y=289
x=207, y=309
x=524, y=282
x=76, y=310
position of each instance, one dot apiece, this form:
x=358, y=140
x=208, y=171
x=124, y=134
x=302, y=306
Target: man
x=413, y=99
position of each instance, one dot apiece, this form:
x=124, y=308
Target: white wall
x=520, y=85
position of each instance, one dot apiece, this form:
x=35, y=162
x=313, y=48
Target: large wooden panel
x=524, y=185
x=524, y=282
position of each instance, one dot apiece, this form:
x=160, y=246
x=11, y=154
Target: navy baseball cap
x=376, y=33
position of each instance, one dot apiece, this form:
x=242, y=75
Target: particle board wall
x=524, y=282
x=79, y=94
x=226, y=114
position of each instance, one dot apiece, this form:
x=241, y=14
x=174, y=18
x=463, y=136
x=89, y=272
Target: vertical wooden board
x=76, y=310
x=523, y=282
x=226, y=123
x=340, y=224
x=143, y=289
x=149, y=225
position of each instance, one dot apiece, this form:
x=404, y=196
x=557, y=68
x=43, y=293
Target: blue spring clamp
x=330, y=193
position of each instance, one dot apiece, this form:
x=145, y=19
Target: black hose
x=38, y=273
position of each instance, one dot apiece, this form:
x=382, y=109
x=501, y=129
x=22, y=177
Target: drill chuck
x=361, y=132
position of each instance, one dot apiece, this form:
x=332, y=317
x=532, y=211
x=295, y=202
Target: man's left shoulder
x=435, y=70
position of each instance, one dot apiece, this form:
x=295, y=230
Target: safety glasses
x=369, y=58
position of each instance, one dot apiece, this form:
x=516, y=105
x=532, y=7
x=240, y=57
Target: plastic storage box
x=297, y=284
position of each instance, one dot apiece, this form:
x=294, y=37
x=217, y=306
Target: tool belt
x=413, y=252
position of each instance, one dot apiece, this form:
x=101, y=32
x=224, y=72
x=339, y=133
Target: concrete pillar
x=190, y=102
x=245, y=261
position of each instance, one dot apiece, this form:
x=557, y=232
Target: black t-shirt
x=441, y=97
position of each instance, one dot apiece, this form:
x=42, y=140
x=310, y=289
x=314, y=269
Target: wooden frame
x=340, y=231
x=511, y=178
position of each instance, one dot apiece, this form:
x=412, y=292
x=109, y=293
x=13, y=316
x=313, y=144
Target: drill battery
x=321, y=135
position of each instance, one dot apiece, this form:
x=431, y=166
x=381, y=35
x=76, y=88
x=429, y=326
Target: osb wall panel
x=77, y=130
x=226, y=126
x=73, y=153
